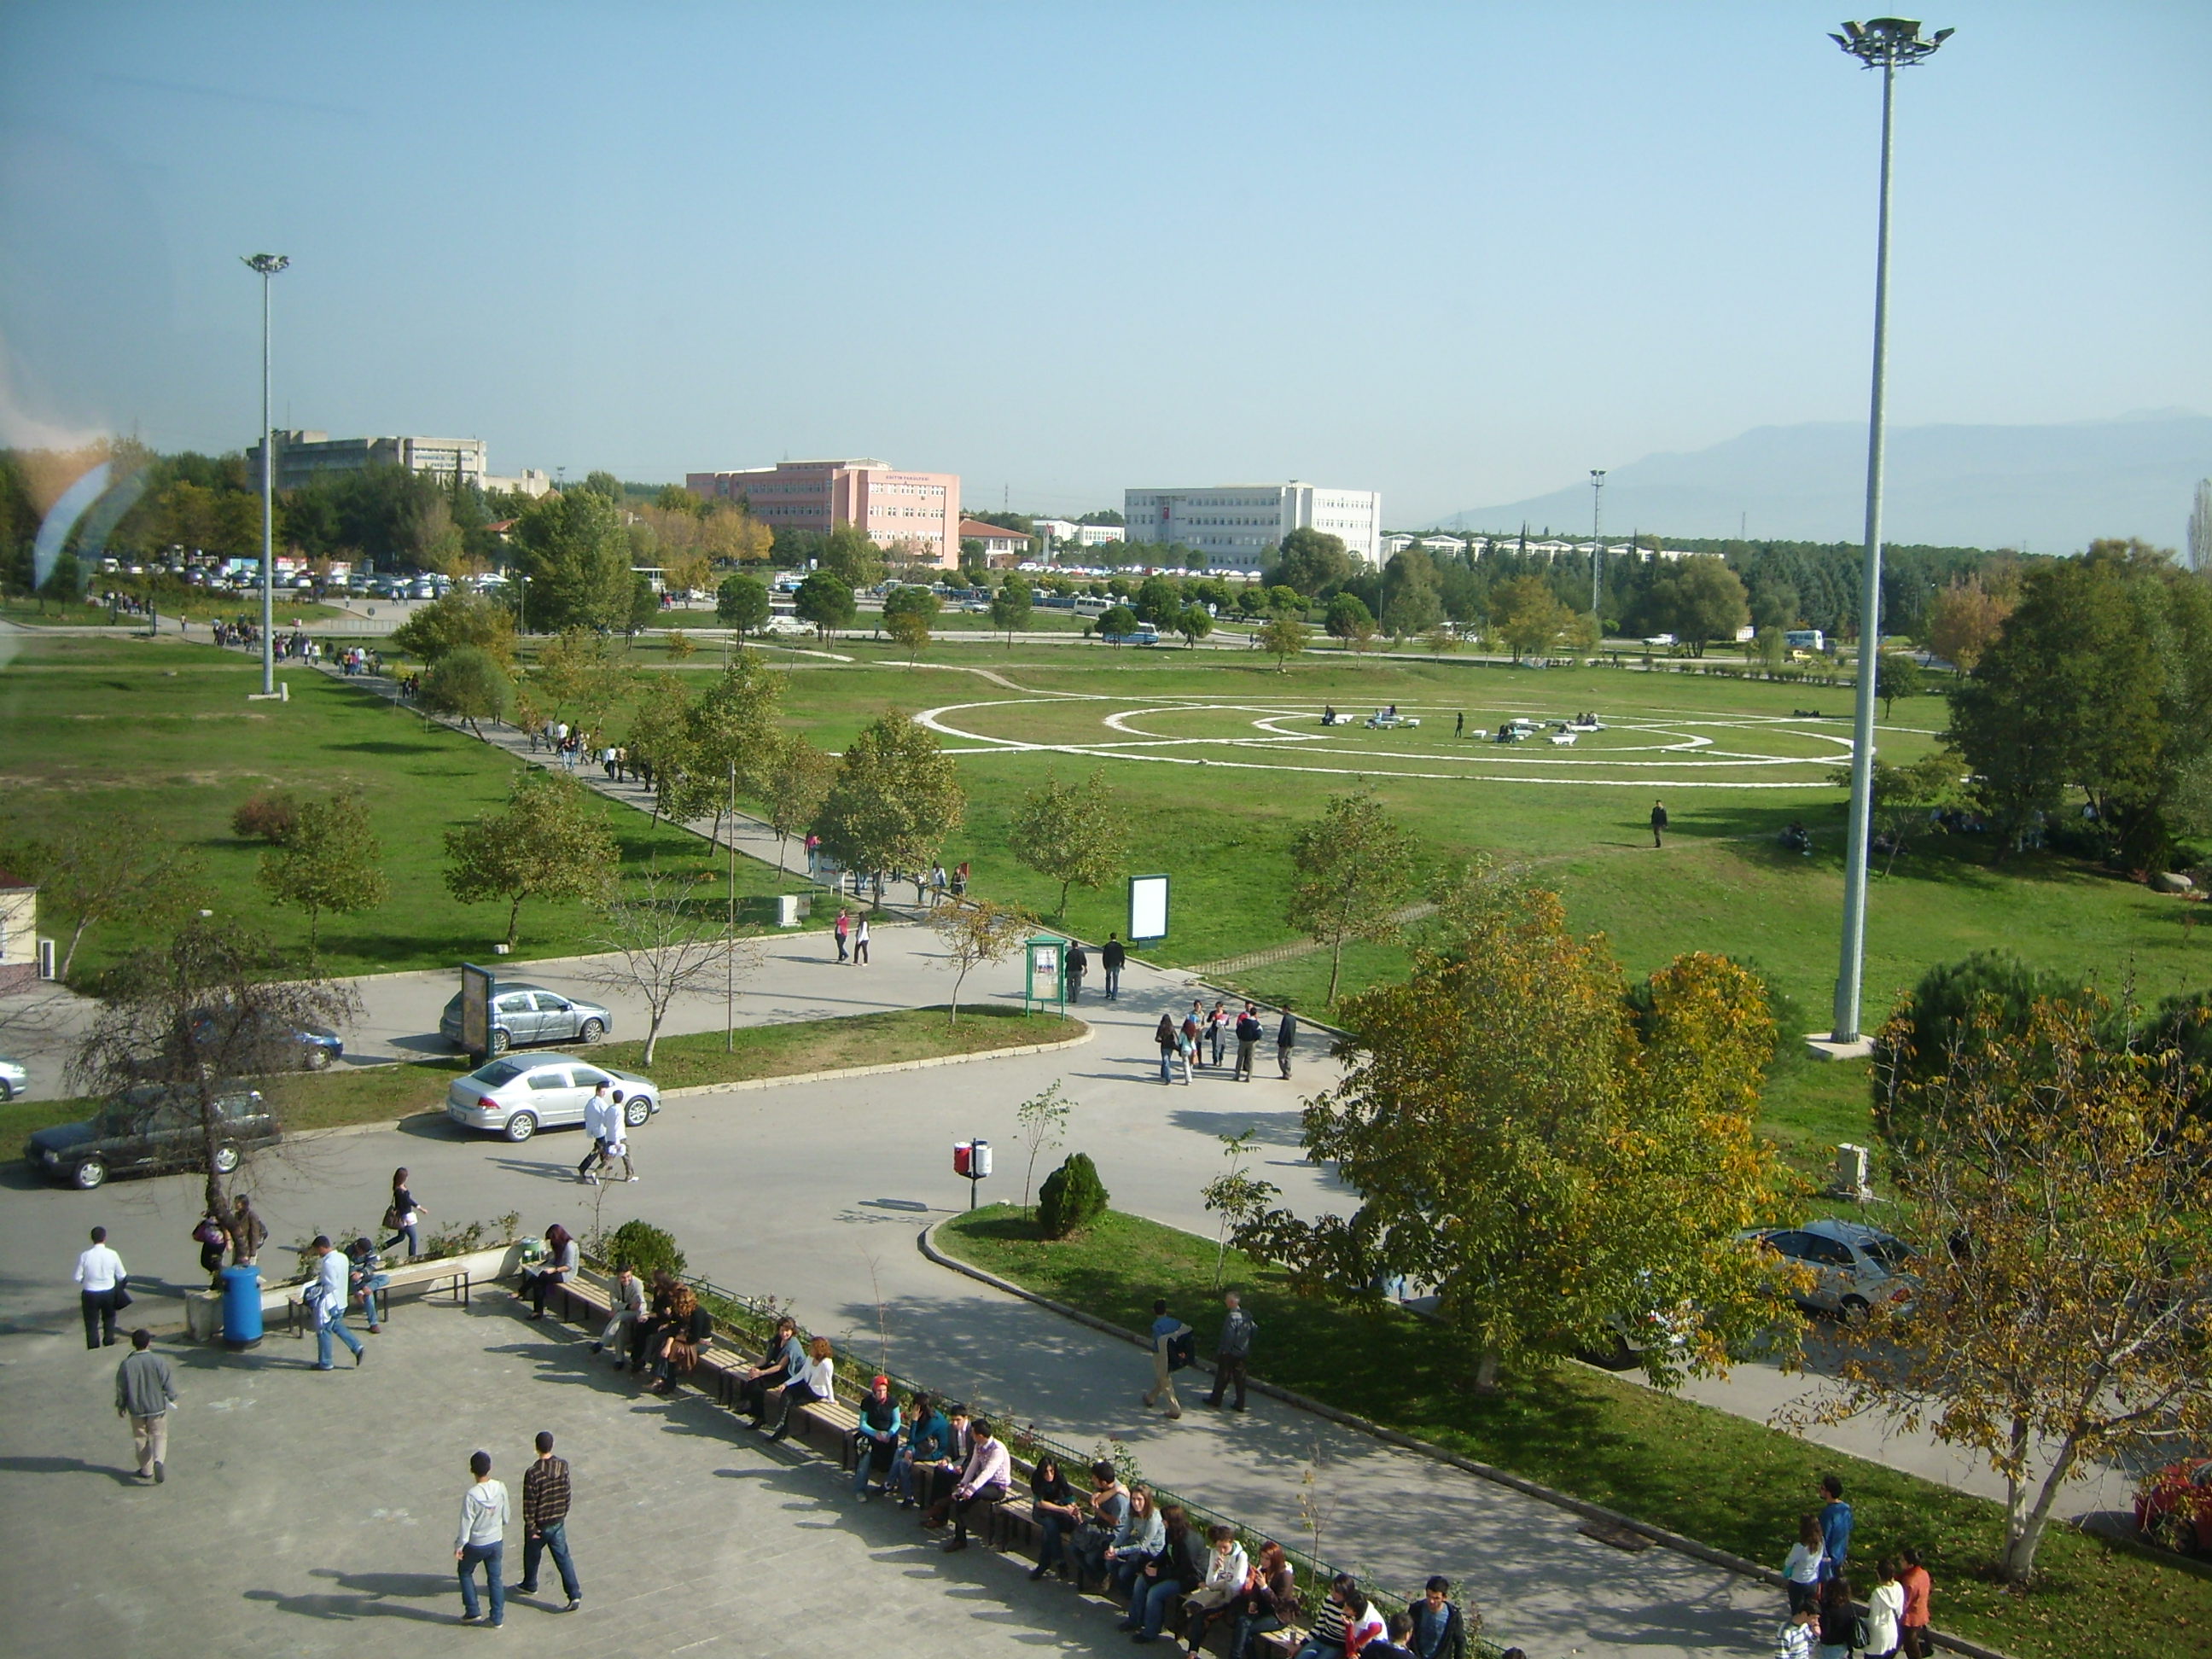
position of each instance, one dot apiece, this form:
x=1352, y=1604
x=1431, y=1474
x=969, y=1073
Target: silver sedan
x=518, y=1095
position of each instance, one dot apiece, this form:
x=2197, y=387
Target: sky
x=1457, y=254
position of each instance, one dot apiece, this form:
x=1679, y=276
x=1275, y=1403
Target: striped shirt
x=545, y=1493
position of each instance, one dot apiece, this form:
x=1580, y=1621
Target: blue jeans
x=1052, y=1552
x=864, y=1464
x=1247, y=1626
x=493, y=1558
x=1149, y=1601
x=1167, y=1059
x=553, y=1539
x=324, y=1331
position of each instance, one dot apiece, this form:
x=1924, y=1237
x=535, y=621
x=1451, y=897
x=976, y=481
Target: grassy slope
x=1717, y=1478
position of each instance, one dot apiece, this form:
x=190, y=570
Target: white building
x=531, y=483
x=1064, y=532
x=1235, y=525
x=305, y=457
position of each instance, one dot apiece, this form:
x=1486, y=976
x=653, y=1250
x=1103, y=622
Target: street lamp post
x=1597, y=547
x=266, y=265
x=1886, y=44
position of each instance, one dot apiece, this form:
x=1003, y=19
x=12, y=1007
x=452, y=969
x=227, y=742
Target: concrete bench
x=832, y=1428
x=450, y=1272
x=1282, y=1643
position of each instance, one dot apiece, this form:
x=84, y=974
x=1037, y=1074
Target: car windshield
x=499, y=1073
x=1891, y=1255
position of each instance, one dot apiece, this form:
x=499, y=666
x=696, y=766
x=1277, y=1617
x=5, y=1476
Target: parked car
x=256, y=1043
x=524, y=1014
x=1851, y=1268
x=2175, y=1505
x=14, y=1077
x=150, y=1130
x=516, y=1096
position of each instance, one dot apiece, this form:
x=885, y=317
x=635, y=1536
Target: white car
x=1846, y=1268
x=518, y=1095
x=787, y=625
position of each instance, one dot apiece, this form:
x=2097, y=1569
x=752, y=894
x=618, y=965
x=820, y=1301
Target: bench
x=1282, y=1643
x=1564, y=739
x=832, y=1428
x=450, y=1272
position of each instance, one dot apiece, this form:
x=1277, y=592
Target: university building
x=1235, y=525
x=918, y=512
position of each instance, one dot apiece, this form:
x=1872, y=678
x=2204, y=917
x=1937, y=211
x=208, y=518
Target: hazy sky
x=1458, y=253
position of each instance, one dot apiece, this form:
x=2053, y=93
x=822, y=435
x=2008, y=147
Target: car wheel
x=522, y=1127
x=499, y=1040
x=318, y=1059
x=7, y=1092
x=226, y=1159
x=637, y=1110
x=1853, y=1310
x=89, y=1174
x=590, y=1030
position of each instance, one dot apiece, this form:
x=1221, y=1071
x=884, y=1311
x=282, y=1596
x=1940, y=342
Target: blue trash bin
x=241, y=1308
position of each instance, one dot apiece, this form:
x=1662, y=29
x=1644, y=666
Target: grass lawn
x=163, y=729
x=376, y=1094
x=1719, y=1479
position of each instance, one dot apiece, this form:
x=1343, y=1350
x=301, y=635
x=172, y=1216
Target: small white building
x=1237, y=526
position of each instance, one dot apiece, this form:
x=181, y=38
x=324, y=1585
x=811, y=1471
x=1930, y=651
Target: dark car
x=150, y=1130
x=253, y=1043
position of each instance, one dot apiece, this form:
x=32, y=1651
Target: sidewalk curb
x=925, y=1240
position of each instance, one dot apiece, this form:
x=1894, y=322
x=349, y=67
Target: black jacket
x=1112, y=954
x=1452, y=1645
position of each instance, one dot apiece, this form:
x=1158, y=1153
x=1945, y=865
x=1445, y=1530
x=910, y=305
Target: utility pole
x=267, y=265
x=730, y=931
x=1597, y=547
x=1885, y=43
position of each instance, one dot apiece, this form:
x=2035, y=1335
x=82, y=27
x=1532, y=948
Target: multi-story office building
x=918, y=512
x=1235, y=525
x=304, y=457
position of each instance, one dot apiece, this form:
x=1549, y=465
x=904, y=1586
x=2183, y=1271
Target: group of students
x=1185, y=1043
x=1824, y=1621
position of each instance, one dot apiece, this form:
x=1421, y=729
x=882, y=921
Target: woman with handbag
x=691, y=1327
x=211, y=1236
x=403, y=1217
x=562, y=1260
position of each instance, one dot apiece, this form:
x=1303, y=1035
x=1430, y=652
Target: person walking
x=102, y=1290
x=1912, y=1624
x=1232, y=1351
x=1795, y=1639
x=247, y=1232
x=1837, y=1619
x=1217, y=1029
x=1167, y=1037
x=1658, y=821
x=1885, y=1611
x=843, y=930
x=1248, y=1041
x=145, y=1390
x=1194, y=1027
x=599, y=1129
x=1111, y=955
x=545, y=1523
x=860, y=941
x=1287, y=1039
x=617, y=1146
x=1459, y=724
x=404, y=1216
x=1835, y=1528
x=1167, y=1330
x=482, y=1539
x=325, y=1296
x=1078, y=965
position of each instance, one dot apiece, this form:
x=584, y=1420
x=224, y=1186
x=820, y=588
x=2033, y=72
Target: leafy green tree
x=1410, y=601
x=1010, y=608
x=1897, y=675
x=743, y=604
x=907, y=612
x=466, y=684
x=580, y=674
x=1194, y=623
x=1310, y=561
x=549, y=841
x=460, y=616
x=1698, y=600
x=1159, y=601
x=856, y=560
x=606, y=485
x=1352, y=870
x=1285, y=601
x=330, y=860
x=1117, y=622
x=797, y=783
x=1283, y=636
x=1988, y=996
x=825, y=598
x=897, y=797
x=735, y=728
x=1075, y=836
x=644, y=605
x=1349, y=620
x=574, y=548
x=107, y=867
x=1528, y=615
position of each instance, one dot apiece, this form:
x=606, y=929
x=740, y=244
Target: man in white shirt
x=600, y=1119
x=100, y=1276
x=482, y=1537
x=984, y=1481
x=325, y=1295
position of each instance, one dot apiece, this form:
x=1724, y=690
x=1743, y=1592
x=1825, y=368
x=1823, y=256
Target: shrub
x=267, y=815
x=646, y=1247
x=1071, y=1198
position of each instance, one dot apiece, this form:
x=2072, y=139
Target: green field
x=1728, y=1482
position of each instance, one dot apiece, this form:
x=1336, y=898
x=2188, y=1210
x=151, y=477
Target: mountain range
x=2042, y=489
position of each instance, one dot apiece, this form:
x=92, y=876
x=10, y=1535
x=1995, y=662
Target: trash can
x=241, y=1309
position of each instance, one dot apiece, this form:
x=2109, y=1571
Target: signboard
x=1043, y=982
x=475, y=1009
x=1148, y=908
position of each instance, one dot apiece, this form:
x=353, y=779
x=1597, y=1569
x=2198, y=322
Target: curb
x=1677, y=1541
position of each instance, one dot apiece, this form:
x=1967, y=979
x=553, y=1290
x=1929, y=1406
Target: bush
x=1071, y=1198
x=267, y=815
x=647, y=1249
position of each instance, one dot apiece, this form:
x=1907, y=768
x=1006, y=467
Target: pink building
x=918, y=512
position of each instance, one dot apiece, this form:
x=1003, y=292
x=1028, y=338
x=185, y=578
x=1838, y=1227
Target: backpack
x=208, y=1232
x=1182, y=1350
x=1861, y=1634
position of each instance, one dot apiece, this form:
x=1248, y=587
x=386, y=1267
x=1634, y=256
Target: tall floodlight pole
x=267, y=265
x=1886, y=44
x=1597, y=547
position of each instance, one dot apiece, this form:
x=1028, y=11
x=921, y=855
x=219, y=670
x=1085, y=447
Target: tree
x=1526, y=615
x=1010, y=608
x=1283, y=636
x=328, y=861
x=1699, y=600
x=467, y=684
x=907, y=612
x=1351, y=868
x=1903, y=796
x=1041, y=1122
x=644, y=605
x=665, y=945
x=579, y=674
x=853, y=559
x=1159, y=601
x=108, y=866
x=604, y=485
x=549, y=841
x=1964, y=621
x=576, y=553
x=1234, y=1193
x=1116, y=623
x=1412, y=603
x=1071, y=1198
x=677, y=644
x=1310, y=561
x=1194, y=623
x=1552, y=1157
x=732, y=732
x=460, y=616
x=2060, y=1197
x=187, y=1017
x=1897, y=675
x=976, y=933
x=1348, y=619
x=797, y=783
x=1077, y=837
x=895, y=798
x=825, y=599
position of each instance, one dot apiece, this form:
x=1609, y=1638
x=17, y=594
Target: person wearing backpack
x=363, y=1278
x=1170, y=1339
x=212, y=1238
x=1248, y=1041
x=1885, y=1632
x=324, y=1295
